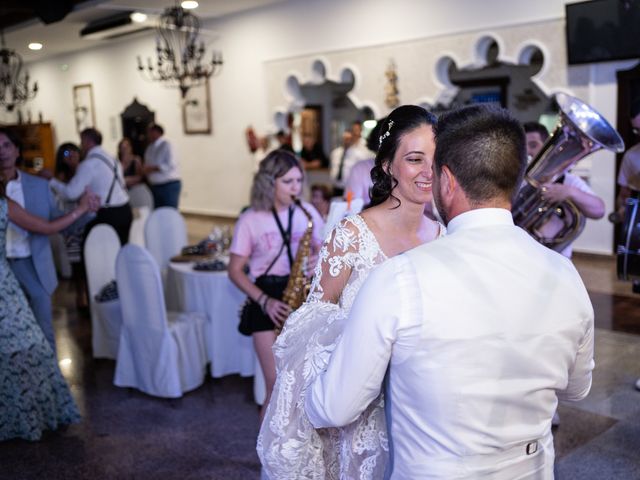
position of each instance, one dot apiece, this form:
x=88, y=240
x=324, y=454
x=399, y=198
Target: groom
x=480, y=331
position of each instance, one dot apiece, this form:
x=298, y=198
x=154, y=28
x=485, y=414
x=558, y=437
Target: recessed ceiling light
x=35, y=46
x=189, y=4
x=138, y=17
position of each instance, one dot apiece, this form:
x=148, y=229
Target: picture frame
x=196, y=110
x=83, y=107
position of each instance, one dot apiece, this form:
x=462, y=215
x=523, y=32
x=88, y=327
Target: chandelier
x=14, y=85
x=179, y=55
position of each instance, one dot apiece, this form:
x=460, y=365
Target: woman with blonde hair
x=266, y=238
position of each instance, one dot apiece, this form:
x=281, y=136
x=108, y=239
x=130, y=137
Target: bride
x=288, y=446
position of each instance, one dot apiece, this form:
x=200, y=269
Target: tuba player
x=567, y=187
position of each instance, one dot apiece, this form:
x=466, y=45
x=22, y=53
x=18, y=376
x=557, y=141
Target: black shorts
x=252, y=318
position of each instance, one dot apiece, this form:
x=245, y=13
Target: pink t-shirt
x=257, y=236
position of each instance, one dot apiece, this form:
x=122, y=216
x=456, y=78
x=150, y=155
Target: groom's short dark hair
x=485, y=149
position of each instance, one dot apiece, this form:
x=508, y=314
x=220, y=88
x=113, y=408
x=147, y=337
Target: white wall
x=217, y=169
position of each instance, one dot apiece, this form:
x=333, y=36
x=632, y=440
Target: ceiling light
x=189, y=4
x=138, y=17
x=16, y=87
x=35, y=46
x=180, y=53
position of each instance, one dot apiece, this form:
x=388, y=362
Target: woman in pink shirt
x=266, y=238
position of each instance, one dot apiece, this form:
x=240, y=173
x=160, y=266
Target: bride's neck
x=408, y=217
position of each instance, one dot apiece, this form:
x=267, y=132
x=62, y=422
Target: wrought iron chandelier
x=14, y=85
x=179, y=54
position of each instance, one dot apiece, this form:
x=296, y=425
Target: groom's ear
x=449, y=182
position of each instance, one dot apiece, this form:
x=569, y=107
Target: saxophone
x=295, y=293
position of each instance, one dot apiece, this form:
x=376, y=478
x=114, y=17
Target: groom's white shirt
x=479, y=331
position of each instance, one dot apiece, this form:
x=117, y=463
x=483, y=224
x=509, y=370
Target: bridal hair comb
x=387, y=133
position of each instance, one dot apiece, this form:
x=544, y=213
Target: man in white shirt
x=343, y=158
x=29, y=254
x=567, y=187
x=477, y=332
x=102, y=174
x=161, y=169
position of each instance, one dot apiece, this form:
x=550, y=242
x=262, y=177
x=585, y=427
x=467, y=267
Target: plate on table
x=215, y=265
x=192, y=258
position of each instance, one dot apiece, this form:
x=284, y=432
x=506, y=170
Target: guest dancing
x=266, y=238
x=67, y=161
x=103, y=175
x=29, y=254
x=288, y=445
x=33, y=394
x=131, y=163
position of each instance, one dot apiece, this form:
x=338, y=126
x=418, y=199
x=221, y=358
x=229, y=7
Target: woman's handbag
x=252, y=318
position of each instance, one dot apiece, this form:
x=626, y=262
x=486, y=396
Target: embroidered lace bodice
x=288, y=445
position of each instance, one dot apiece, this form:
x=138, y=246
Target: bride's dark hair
x=400, y=121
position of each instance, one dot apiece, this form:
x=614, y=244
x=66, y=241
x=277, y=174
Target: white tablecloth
x=213, y=293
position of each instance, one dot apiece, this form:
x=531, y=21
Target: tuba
x=580, y=131
x=295, y=293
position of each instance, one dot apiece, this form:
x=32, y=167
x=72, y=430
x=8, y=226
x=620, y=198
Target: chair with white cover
x=136, y=232
x=100, y=251
x=140, y=196
x=161, y=353
x=165, y=233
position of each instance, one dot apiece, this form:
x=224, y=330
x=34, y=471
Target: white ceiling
x=64, y=36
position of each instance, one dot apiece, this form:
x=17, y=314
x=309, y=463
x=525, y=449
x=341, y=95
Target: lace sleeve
x=336, y=261
x=288, y=445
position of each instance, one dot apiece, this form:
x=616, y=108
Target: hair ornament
x=387, y=133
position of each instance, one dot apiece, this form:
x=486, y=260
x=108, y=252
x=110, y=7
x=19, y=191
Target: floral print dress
x=33, y=394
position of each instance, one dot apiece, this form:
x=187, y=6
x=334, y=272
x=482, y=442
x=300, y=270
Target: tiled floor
x=210, y=433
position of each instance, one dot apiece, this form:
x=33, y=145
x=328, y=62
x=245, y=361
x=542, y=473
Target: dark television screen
x=603, y=30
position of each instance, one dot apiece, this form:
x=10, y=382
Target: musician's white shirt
x=478, y=332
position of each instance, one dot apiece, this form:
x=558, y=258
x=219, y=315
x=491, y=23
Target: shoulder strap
x=115, y=176
x=274, y=260
x=286, y=235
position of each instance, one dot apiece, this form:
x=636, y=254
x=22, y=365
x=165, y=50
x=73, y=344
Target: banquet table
x=213, y=293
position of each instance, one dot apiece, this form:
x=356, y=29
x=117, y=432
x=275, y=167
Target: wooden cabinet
x=38, y=150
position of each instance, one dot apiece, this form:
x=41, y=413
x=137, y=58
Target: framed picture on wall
x=83, y=107
x=196, y=110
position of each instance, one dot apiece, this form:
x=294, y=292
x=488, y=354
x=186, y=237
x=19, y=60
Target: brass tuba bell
x=580, y=131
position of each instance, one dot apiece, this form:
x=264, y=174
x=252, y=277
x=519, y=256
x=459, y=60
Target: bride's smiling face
x=412, y=163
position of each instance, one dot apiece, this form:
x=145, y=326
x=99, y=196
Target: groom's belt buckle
x=532, y=447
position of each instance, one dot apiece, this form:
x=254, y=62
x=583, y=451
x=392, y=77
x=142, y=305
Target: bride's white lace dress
x=288, y=445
